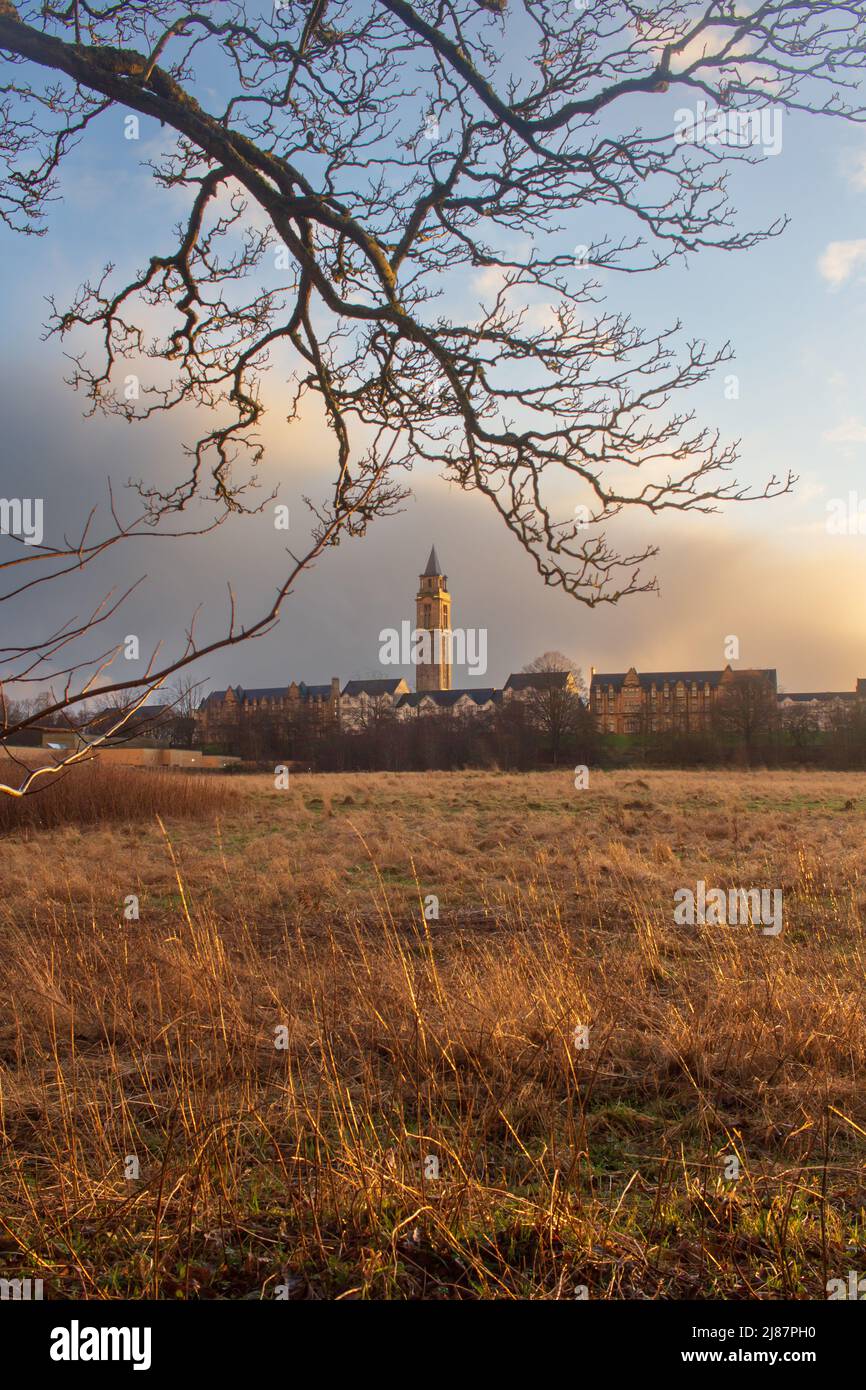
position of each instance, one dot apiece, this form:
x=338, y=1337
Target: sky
x=773, y=574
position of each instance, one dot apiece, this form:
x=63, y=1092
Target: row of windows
x=630, y=692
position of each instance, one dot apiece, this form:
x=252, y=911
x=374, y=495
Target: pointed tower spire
x=433, y=565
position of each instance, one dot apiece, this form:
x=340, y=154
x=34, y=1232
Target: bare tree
x=801, y=727
x=553, y=698
x=350, y=162
x=747, y=708
x=177, y=722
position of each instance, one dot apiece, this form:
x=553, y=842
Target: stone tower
x=433, y=614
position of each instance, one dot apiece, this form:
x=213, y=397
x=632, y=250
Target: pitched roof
x=416, y=697
x=433, y=565
x=746, y=673
x=818, y=695
x=657, y=678
x=373, y=687
x=537, y=680
x=483, y=695
x=266, y=692
x=216, y=697
x=448, y=698
x=648, y=678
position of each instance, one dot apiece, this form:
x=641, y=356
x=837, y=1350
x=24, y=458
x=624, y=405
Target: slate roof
x=266, y=692
x=448, y=698
x=216, y=697
x=486, y=693
x=819, y=695
x=649, y=678
x=660, y=678
x=537, y=680
x=374, y=687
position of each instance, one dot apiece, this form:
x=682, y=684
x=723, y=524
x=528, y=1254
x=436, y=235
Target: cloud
x=489, y=280
x=848, y=431
x=855, y=171
x=809, y=486
x=840, y=259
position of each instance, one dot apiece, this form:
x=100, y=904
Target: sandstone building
x=322, y=702
x=629, y=702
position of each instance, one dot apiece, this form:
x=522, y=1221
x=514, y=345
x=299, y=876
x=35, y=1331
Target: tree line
x=549, y=728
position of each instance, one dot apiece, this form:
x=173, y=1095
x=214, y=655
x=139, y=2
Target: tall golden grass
x=92, y=794
x=306, y=1169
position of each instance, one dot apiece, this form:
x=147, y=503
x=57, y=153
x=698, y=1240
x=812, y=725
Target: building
x=147, y=725
x=471, y=703
x=632, y=702
x=222, y=711
x=622, y=702
x=364, y=702
x=820, y=709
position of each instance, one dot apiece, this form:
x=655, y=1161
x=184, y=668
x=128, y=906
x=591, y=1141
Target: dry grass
x=94, y=794
x=559, y=1167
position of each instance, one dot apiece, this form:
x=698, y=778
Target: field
x=242, y=1056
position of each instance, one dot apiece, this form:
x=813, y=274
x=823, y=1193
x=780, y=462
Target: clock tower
x=433, y=615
